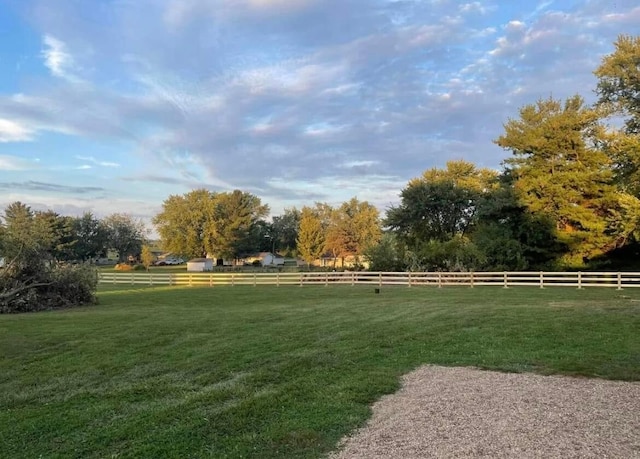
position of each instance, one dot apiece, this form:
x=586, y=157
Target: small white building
x=200, y=265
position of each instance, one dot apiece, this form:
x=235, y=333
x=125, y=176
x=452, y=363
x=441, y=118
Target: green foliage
x=387, y=255
x=125, y=235
x=311, y=240
x=202, y=222
x=441, y=205
x=91, y=238
x=352, y=227
x=559, y=173
x=619, y=81
x=32, y=279
x=285, y=229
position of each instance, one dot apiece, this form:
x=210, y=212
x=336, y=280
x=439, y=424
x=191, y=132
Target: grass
x=276, y=372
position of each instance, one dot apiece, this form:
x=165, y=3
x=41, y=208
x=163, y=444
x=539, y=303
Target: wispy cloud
x=97, y=162
x=11, y=131
x=32, y=185
x=16, y=163
x=58, y=59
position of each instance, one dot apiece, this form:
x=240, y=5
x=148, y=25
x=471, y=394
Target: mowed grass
x=276, y=372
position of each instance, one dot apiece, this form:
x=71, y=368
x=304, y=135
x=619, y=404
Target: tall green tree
x=441, y=204
x=619, y=94
x=91, y=237
x=202, y=222
x=619, y=81
x=561, y=174
x=185, y=221
x=235, y=214
x=125, y=235
x=285, y=229
x=311, y=239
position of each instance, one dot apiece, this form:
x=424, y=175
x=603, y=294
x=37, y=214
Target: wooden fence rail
x=617, y=280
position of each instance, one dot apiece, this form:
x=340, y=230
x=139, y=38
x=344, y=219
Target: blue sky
x=113, y=105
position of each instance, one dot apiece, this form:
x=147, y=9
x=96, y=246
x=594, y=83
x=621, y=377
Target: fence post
x=278, y=279
x=210, y=279
x=301, y=274
x=254, y=279
x=541, y=279
x=439, y=280
x=353, y=279
x=133, y=279
x=471, y=279
x=190, y=280
x=150, y=279
x=233, y=279
x=379, y=279
x=579, y=279
x=505, y=280
x=409, y=279
x=326, y=279
x=619, y=280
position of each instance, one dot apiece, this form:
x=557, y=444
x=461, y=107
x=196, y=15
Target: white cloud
x=11, y=131
x=16, y=163
x=97, y=162
x=57, y=58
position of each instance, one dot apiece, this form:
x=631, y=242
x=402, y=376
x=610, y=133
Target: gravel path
x=466, y=412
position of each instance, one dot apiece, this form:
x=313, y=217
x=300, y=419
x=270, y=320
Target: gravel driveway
x=466, y=412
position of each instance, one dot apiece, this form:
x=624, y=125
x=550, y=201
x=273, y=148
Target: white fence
x=617, y=280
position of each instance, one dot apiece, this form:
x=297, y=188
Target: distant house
x=265, y=259
x=200, y=265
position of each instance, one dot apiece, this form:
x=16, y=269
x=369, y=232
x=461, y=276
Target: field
x=276, y=372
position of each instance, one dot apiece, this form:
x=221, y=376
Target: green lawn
x=276, y=372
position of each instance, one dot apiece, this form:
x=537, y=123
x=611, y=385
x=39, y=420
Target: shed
x=200, y=265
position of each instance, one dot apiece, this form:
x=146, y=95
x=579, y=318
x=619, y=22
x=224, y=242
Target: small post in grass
x=579, y=279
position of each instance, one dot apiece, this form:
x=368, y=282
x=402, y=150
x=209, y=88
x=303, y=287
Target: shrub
x=54, y=288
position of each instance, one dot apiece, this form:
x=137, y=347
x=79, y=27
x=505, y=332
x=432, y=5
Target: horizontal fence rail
x=617, y=280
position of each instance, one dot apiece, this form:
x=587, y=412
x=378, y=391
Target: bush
x=54, y=288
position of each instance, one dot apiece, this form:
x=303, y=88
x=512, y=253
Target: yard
x=276, y=372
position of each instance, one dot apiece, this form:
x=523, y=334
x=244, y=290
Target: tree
x=310, y=241
x=560, y=174
x=202, y=222
x=146, y=257
x=353, y=227
x=185, y=221
x=235, y=214
x=125, y=235
x=91, y=237
x=285, y=229
x=30, y=280
x=441, y=204
x=619, y=81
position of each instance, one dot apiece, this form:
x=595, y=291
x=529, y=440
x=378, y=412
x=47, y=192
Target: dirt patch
x=466, y=412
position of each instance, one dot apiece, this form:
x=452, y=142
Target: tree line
x=568, y=197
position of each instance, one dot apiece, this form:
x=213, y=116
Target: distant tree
x=125, y=235
x=146, y=257
x=353, y=227
x=310, y=241
x=284, y=229
x=91, y=237
x=235, y=215
x=185, y=221
x=201, y=222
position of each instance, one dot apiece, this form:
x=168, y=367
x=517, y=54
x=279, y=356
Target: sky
x=113, y=105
